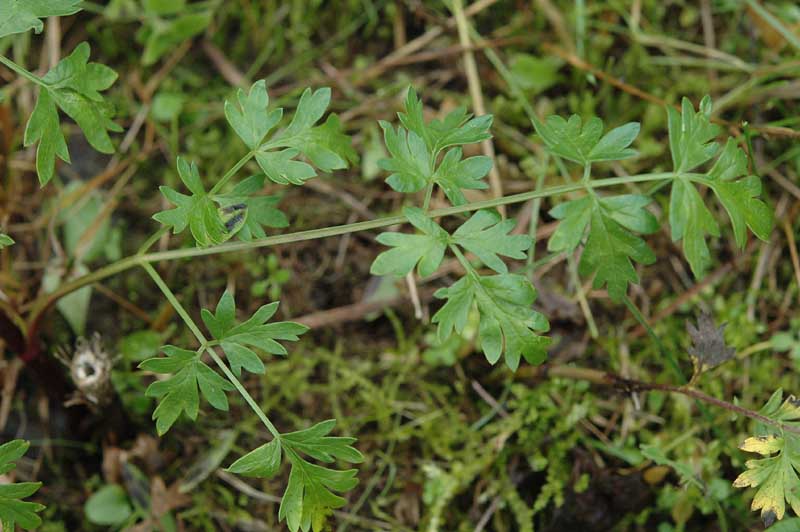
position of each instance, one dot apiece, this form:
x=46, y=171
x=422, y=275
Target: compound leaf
x=508, y=324
x=19, y=16
x=415, y=147
x=236, y=339
x=774, y=476
x=198, y=211
x=325, y=145
x=179, y=392
x=13, y=510
x=426, y=249
x=486, y=235
x=309, y=496
x=74, y=85
x=457, y=128
x=692, y=144
x=585, y=143
x=611, y=244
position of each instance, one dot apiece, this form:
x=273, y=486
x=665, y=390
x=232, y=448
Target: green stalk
x=22, y=72
x=232, y=172
x=536, y=205
x=206, y=345
x=41, y=304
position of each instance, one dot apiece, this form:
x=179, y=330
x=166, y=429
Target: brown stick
x=631, y=385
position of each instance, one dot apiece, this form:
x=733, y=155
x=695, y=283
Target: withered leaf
x=708, y=348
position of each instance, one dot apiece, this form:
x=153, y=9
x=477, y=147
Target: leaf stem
x=205, y=344
x=535, y=206
x=232, y=172
x=428, y=195
x=30, y=76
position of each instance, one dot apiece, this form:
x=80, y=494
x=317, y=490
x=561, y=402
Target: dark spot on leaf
x=230, y=209
x=233, y=221
x=768, y=518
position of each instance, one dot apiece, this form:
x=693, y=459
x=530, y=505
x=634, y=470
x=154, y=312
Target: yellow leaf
x=763, y=445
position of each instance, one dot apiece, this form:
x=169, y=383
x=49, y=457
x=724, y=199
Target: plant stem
x=205, y=345
x=152, y=240
x=21, y=71
x=632, y=385
x=673, y=362
x=232, y=172
x=428, y=194
x=42, y=303
x=535, y=206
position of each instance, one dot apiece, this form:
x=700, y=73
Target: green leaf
x=690, y=220
x=13, y=510
x=309, y=496
x=262, y=462
x=281, y=167
x=74, y=86
x=44, y=127
x=5, y=241
x=691, y=135
x=585, y=143
x=611, y=244
x=255, y=212
x=316, y=443
x=508, y=324
x=255, y=332
x=692, y=144
x=457, y=128
x=486, y=235
x=454, y=174
x=19, y=16
x=410, y=163
x=198, y=211
x=108, y=506
x=179, y=392
x=415, y=149
x=250, y=119
x=740, y=198
x=775, y=475
x=325, y=145
x=426, y=249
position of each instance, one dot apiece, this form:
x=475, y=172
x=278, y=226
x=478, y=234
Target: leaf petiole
x=207, y=345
